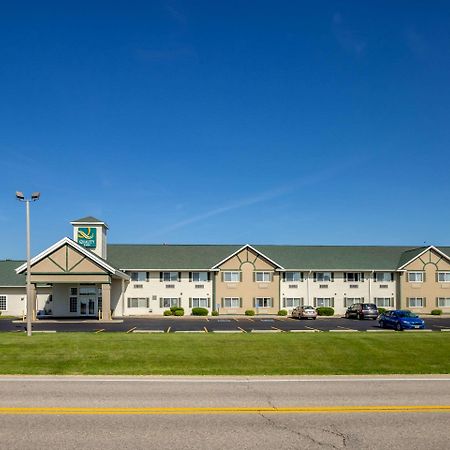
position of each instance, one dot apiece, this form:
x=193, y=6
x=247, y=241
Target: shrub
x=381, y=310
x=175, y=308
x=199, y=312
x=215, y=313
x=436, y=312
x=325, y=311
x=167, y=312
x=250, y=312
x=282, y=312
x=179, y=312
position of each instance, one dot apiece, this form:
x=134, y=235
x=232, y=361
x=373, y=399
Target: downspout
x=370, y=286
x=122, y=297
x=307, y=288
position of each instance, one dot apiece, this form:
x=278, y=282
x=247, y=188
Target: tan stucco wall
x=248, y=262
x=430, y=263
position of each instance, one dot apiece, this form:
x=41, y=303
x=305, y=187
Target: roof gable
x=247, y=246
x=414, y=254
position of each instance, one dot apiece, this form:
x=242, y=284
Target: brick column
x=106, y=302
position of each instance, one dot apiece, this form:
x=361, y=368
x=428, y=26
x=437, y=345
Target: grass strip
x=209, y=354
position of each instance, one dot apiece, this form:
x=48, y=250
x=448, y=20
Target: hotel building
x=87, y=277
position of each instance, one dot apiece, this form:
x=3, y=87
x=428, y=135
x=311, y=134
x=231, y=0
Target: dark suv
x=362, y=311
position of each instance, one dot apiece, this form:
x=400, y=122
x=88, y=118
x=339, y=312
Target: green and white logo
x=87, y=237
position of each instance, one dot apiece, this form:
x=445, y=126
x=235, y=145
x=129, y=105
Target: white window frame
x=168, y=302
x=200, y=302
x=381, y=302
x=169, y=277
x=349, y=301
x=415, y=273
x=232, y=274
x=293, y=302
x=198, y=278
x=139, y=276
x=138, y=302
x=443, y=302
x=4, y=300
x=323, y=302
x=296, y=277
x=357, y=277
x=263, y=302
x=445, y=275
x=231, y=302
x=383, y=280
x=265, y=277
x=322, y=278
x=415, y=302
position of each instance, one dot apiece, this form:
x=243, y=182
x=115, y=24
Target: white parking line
x=314, y=329
x=304, y=331
x=228, y=331
x=348, y=330
x=148, y=331
x=267, y=331
x=44, y=331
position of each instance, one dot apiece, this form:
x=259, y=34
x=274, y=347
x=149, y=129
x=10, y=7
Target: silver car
x=304, y=312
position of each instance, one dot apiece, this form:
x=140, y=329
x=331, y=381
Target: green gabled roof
x=8, y=276
x=334, y=257
x=290, y=257
x=88, y=219
x=176, y=257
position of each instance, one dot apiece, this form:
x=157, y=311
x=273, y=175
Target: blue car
x=401, y=319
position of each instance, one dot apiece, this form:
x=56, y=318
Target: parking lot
x=220, y=324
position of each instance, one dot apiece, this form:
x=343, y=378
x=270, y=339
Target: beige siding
x=248, y=262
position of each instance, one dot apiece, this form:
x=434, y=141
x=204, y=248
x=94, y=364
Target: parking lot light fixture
x=34, y=197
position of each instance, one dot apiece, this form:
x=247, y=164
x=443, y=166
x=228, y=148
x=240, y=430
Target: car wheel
x=360, y=317
x=346, y=315
x=398, y=327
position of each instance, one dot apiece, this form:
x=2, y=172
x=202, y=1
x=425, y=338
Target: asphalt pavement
x=224, y=412
x=219, y=324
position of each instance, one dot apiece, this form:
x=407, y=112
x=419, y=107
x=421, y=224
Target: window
x=383, y=302
x=444, y=277
x=139, y=276
x=232, y=277
x=88, y=290
x=199, y=277
x=383, y=277
x=415, y=277
x=353, y=277
x=293, y=276
x=263, y=302
x=263, y=277
x=138, y=302
x=3, y=305
x=169, y=276
x=231, y=302
x=138, y=286
x=168, y=302
x=200, y=303
x=416, y=302
x=293, y=302
x=324, y=301
x=323, y=276
x=443, y=302
x=73, y=291
x=73, y=304
x=349, y=301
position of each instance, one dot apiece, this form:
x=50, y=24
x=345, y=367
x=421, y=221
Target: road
x=218, y=413
x=216, y=324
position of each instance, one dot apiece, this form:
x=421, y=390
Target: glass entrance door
x=88, y=306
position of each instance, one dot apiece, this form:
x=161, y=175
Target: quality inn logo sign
x=87, y=237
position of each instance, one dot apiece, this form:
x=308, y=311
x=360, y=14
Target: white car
x=304, y=312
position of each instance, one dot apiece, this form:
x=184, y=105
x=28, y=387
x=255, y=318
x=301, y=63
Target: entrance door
x=88, y=306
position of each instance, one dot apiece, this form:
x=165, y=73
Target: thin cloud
x=266, y=195
x=346, y=37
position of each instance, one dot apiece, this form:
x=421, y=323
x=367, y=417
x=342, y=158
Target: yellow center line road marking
x=168, y=330
x=227, y=410
x=131, y=330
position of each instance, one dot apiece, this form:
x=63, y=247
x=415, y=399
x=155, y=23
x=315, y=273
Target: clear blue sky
x=226, y=121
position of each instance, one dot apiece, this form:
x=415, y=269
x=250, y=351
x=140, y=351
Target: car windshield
x=308, y=307
x=406, y=314
x=369, y=306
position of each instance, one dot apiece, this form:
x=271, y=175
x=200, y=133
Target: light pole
x=34, y=197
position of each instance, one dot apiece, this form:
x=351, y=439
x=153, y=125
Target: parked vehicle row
x=398, y=319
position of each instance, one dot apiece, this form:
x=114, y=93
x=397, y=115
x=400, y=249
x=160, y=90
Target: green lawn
x=209, y=354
